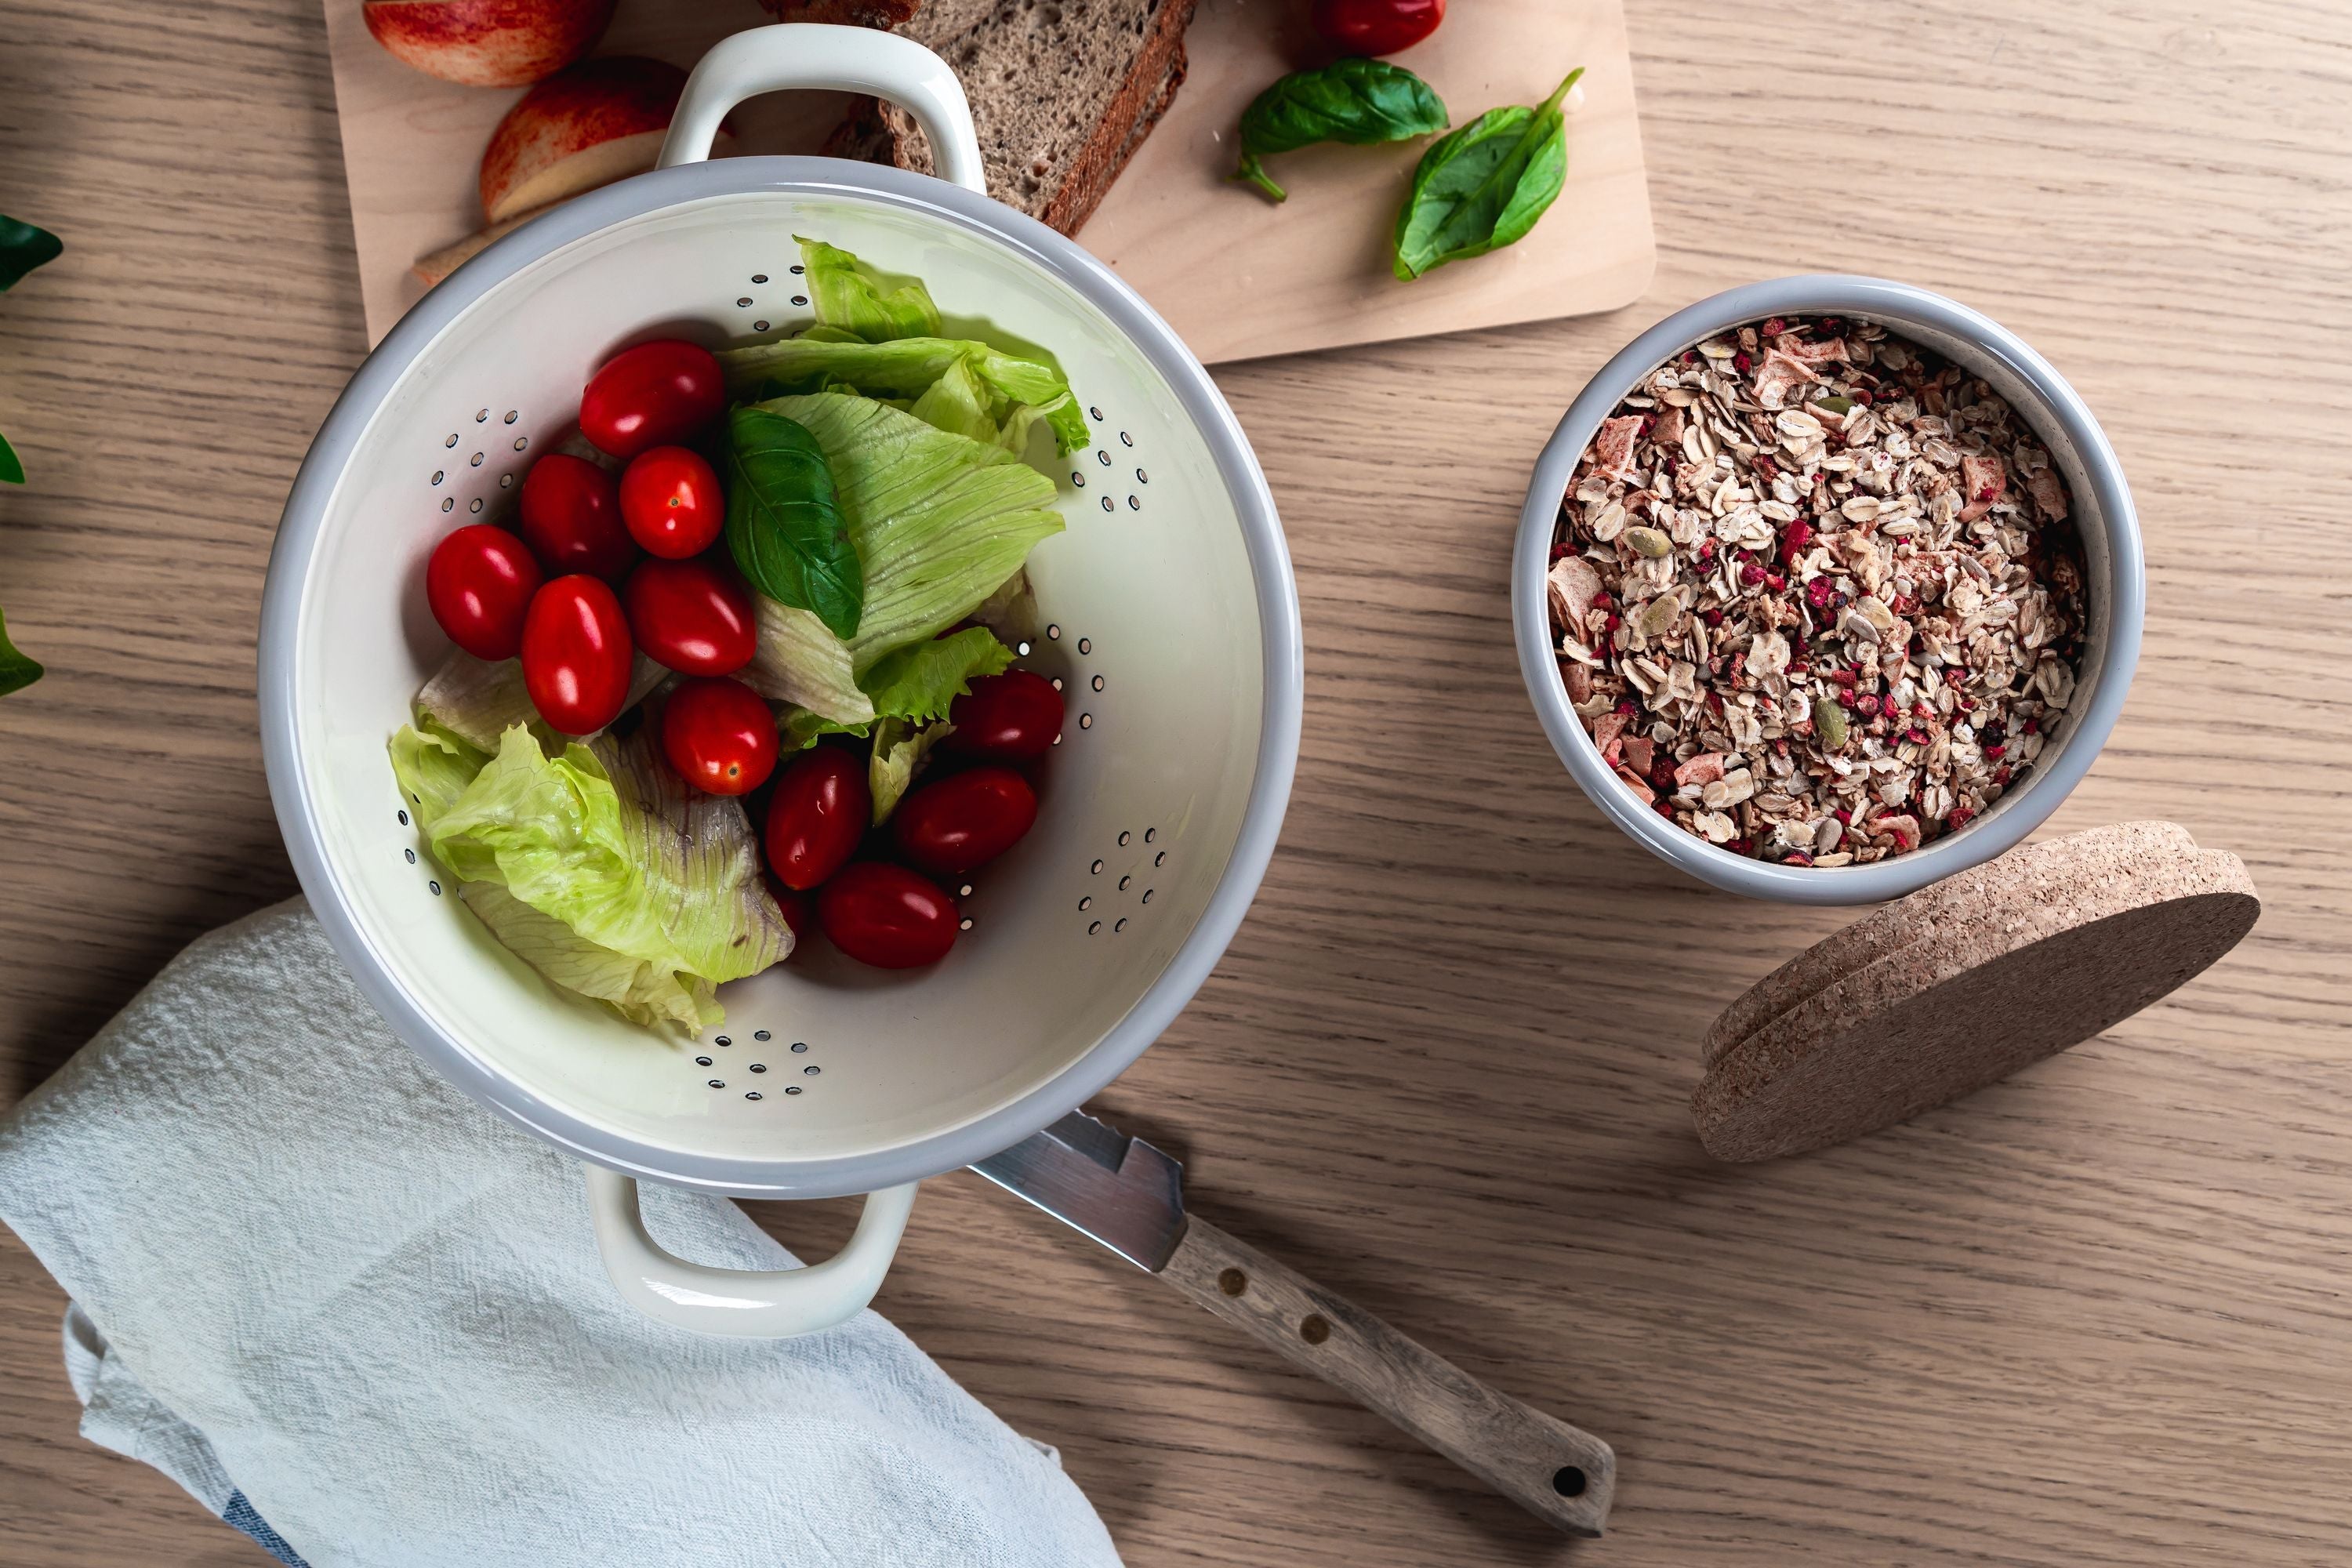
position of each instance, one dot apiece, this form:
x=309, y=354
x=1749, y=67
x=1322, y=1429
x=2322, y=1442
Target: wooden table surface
x=2096, y=1315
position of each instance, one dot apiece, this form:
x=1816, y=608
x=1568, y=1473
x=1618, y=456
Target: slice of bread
x=1062, y=92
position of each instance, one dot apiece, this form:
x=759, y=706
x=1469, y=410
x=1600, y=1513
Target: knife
x=1129, y=1196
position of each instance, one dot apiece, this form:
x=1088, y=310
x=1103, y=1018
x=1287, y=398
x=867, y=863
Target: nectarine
x=489, y=43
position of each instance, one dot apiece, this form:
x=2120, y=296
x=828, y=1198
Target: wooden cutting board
x=1237, y=276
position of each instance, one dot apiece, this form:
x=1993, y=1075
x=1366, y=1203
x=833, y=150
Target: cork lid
x=1962, y=983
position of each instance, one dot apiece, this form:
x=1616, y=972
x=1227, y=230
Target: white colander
x=1169, y=617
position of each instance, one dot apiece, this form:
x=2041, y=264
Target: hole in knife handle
x=1314, y=1328
x=1569, y=1481
x=1232, y=1281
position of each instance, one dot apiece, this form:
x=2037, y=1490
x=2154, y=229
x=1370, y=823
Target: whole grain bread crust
x=880, y=134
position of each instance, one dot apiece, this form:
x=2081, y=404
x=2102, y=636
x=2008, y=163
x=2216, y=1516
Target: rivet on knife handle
x=1546, y=1466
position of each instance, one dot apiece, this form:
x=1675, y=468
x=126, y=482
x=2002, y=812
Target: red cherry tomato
x=1012, y=717
x=818, y=816
x=576, y=655
x=692, y=617
x=655, y=395
x=671, y=501
x=887, y=916
x=479, y=583
x=719, y=734
x=1377, y=26
x=965, y=820
x=571, y=517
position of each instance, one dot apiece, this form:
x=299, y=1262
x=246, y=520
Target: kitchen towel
x=363, y=1320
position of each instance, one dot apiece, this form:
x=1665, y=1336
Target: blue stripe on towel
x=240, y=1513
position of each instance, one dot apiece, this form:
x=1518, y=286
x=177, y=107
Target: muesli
x=1818, y=595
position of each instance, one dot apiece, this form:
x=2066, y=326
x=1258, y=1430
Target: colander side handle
x=824, y=57
x=748, y=1303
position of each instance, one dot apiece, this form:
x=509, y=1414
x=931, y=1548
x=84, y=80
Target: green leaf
x=940, y=520
x=992, y=383
x=12, y=470
x=799, y=729
x=600, y=868
x=1484, y=186
x=922, y=680
x=784, y=525
x=899, y=750
x=24, y=247
x=16, y=671
x=850, y=298
x=1360, y=102
x=800, y=663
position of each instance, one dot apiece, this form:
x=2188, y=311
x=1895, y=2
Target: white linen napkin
x=363, y=1319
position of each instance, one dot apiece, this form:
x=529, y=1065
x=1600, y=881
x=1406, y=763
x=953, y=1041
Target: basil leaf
x=16, y=671
x=12, y=469
x=1484, y=186
x=1359, y=102
x=784, y=525
x=24, y=247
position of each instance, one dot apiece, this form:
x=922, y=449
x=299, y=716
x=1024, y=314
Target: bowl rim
x=1894, y=305
x=321, y=472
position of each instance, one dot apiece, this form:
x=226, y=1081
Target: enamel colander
x=1167, y=613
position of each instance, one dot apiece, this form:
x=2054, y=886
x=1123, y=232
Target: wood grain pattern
x=1235, y=275
x=1556, y=1472
x=2094, y=1316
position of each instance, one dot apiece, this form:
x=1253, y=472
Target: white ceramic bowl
x=2102, y=511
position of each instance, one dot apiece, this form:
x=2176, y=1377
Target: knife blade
x=1129, y=1195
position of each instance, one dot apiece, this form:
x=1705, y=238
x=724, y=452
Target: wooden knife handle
x=1547, y=1467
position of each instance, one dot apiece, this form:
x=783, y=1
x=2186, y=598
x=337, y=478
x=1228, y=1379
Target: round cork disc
x=1964, y=982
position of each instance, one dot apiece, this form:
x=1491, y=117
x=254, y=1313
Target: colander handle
x=771, y=1304
x=824, y=57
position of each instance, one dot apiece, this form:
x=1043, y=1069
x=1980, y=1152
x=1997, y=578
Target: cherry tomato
x=965, y=820
x=818, y=816
x=693, y=616
x=479, y=583
x=1012, y=717
x=719, y=734
x=887, y=916
x=655, y=394
x=571, y=516
x=672, y=503
x=1377, y=26
x=576, y=655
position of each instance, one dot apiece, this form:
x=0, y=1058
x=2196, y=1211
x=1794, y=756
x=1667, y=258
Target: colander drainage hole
x=761, y=1034
x=1149, y=834
x=438, y=476
x=1097, y=683
x=477, y=460
x=1125, y=882
x=1146, y=895
x=476, y=505
x=1053, y=634
x=811, y=1070
x=964, y=891
x=1095, y=412
x=520, y=442
x=758, y=326
x=744, y=303
x=404, y=818
x=483, y=417
x=723, y=1041
x=719, y=1083
x=1120, y=926
x=797, y=270
x=1104, y=458
x=759, y=1066
x=1160, y=858
x=1085, y=903
x=1123, y=839
x=799, y=298
x=792, y=1089
x=1086, y=645
x=702, y=1061
x=436, y=887
x=1125, y=440
x=1077, y=478
x=513, y=415
x=1098, y=868
x=1094, y=929
x=963, y=924
x=1141, y=477
x=449, y=503
x=1057, y=679
x=412, y=855
x=1135, y=503
x=1109, y=505
x=452, y=440
x=753, y=1094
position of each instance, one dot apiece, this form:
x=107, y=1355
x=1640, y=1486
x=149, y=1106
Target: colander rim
x=296, y=549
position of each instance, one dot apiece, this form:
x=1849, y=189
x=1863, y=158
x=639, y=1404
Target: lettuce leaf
x=941, y=523
x=640, y=891
x=899, y=750
x=911, y=367
x=850, y=299
x=801, y=663
x=921, y=680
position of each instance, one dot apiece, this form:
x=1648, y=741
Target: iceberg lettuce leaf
x=849, y=297
x=922, y=680
x=910, y=368
x=900, y=750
